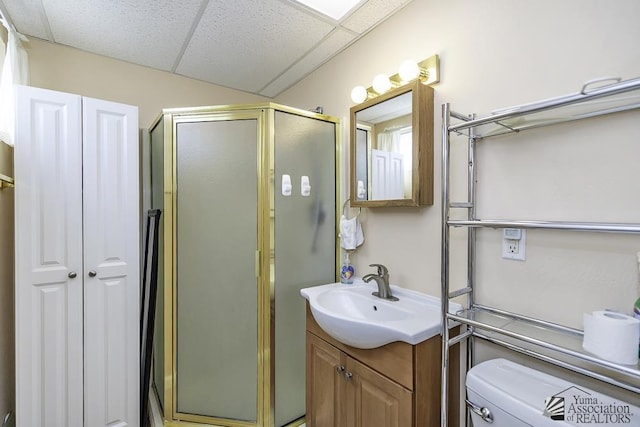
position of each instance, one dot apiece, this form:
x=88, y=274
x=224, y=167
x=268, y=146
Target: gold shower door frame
x=264, y=114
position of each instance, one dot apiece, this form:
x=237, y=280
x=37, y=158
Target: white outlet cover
x=508, y=253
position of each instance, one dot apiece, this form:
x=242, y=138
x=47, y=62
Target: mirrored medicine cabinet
x=391, y=148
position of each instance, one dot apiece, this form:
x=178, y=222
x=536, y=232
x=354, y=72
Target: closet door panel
x=48, y=206
x=112, y=286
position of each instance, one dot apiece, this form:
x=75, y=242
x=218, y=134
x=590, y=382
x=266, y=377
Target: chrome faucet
x=382, y=280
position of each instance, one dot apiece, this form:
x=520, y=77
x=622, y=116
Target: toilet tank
x=519, y=396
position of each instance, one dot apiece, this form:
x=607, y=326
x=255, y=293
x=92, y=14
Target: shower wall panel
x=305, y=252
x=236, y=254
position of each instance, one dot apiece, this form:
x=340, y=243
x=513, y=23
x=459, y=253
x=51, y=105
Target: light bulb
x=359, y=94
x=408, y=70
x=381, y=83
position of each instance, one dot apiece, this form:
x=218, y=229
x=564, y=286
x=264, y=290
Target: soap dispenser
x=346, y=271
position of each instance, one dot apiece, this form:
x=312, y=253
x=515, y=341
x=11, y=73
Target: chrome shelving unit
x=550, y=342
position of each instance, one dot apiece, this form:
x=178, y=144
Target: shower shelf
x=550, y=342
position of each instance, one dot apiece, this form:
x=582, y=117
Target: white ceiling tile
x=258, y=46
x=245, y=44
x=25, y=15
x=149, y=33
x=371, y=13
x=336, y=42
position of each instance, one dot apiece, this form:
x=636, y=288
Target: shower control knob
x=92, y=273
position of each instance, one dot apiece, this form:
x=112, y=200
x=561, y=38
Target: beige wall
x=497, y=53
x=71, y=70
x=7, y=394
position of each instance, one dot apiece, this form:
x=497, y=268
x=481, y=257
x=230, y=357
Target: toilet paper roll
x=612, y=336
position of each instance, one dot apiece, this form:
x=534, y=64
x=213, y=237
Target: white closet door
x=395, y=177
x=379, y=173
x=111, y=260
x=48, y=205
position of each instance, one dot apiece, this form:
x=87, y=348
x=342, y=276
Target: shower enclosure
x=248, y=195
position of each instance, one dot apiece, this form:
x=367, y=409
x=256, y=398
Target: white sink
x=351, y=315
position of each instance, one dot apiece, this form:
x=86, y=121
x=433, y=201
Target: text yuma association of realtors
x=588, y=410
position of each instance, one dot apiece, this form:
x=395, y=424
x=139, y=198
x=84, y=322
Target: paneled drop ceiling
x=258, y=46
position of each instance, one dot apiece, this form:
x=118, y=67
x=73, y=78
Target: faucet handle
x=382, y=270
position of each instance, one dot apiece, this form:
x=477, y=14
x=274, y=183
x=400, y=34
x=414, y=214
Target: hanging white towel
x=350, y=233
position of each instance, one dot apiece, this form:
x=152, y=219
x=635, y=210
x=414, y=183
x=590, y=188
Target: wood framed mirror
x=391, y=148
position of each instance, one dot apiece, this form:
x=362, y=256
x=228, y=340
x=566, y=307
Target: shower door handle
x=257, y=264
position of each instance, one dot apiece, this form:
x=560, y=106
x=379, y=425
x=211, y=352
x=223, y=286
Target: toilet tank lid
x=521, y=391
x=516, y=389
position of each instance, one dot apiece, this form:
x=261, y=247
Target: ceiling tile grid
x=149, y=33
x=257, y=46
x=247, y=43
x=372, y=13
x=334, y=43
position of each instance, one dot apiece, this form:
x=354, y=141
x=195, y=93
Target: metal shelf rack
x=550, y=342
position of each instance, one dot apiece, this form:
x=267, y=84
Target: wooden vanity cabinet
x=325, y=392
x=396, y=385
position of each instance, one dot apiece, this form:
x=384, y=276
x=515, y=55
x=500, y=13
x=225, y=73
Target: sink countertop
x=351, y=315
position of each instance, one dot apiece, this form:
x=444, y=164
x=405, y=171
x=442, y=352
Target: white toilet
x=506, y=394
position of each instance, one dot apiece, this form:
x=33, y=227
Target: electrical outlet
x=513, y=244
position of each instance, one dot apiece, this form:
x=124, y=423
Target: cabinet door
x=111, y=260
x=48, y=275
x=374, y=400
x=325, y=385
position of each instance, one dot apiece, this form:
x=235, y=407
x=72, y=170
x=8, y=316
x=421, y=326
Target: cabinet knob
x=348, y=376
x=72, y=275
x=92, y=273
x=340, y=369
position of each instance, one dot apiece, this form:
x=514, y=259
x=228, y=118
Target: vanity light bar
x=427, y=71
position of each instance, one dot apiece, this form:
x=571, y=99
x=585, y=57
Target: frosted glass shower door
x=216, y=285
x=305, y=245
